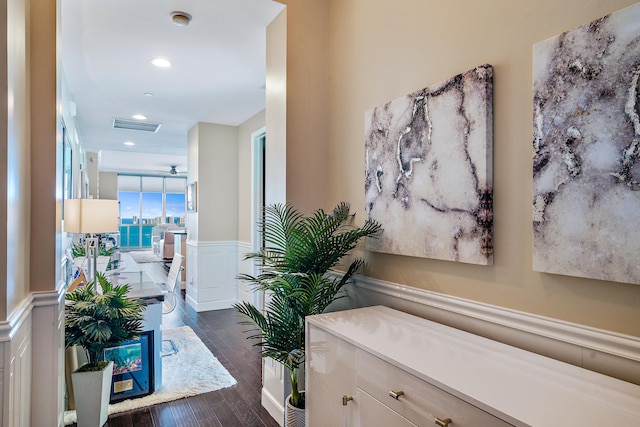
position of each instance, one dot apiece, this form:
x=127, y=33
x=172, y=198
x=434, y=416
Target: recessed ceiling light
x=149, y=94
x=161, y=62
x=139, y=117
x=181, y=19
x=129, y=143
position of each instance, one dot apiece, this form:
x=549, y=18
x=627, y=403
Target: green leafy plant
x=95, y=321
x=298, y=254
x=79, y=250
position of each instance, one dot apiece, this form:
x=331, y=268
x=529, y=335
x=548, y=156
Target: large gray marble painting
x=586, y=166
x=429, y=170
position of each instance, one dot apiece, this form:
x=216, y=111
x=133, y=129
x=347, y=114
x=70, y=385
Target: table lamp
x=91, y=216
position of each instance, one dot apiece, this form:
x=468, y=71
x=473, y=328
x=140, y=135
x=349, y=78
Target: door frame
x=258, y=142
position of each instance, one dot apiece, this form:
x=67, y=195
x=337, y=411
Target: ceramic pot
x=294, y=417
x=92, y=390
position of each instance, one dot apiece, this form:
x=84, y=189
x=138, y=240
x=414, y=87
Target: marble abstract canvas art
x=586, y=150
x=428, y=170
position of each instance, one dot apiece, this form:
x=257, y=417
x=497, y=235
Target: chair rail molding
x=21, y=315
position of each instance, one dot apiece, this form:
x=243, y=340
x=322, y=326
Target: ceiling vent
x=135, y=125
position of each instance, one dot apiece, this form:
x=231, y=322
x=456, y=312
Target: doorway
x=258, y=167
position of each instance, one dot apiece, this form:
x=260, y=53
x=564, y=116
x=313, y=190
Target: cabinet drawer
x=420, y=402
x=372, y=413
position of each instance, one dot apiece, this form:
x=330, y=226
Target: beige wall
x=217, y=177
x=192, y=176
x=276, y=111
x=93, y=177
x=108, y=185
x=14, y=159
x=245, y=165
x=298, y=75
x=380, y=50
x=46, y=143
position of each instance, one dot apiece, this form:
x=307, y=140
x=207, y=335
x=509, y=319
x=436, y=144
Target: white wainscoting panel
x=16, y=343
x=274, y=390
x=245, y=266
x=4, y=383
x=212, y=272
x=606, y=352
x=47, y=394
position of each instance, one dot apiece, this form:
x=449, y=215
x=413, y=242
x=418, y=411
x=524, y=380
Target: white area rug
x=142, y=257
x=192, y=370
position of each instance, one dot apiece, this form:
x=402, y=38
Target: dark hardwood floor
x=237, y=406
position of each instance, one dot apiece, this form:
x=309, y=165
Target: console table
x=378, y=367
x=141, y=286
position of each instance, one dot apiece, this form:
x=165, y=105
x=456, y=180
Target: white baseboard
x=273, y=406
x=207, y=306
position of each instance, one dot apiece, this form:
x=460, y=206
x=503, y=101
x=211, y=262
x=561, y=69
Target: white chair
x=170, y=298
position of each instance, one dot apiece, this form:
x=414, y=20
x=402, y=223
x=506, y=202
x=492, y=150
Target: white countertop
x=504, y=380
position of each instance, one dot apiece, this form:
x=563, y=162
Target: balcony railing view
x=135, y=236
x=139, y=236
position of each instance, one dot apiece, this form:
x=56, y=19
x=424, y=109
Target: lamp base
x=92, y=251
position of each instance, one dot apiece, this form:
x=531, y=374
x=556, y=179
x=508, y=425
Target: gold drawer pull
x=396, y=394
x=443, y=423
x=346, y=399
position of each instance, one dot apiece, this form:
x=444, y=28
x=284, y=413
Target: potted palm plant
x=295, y=262
x=96, y=320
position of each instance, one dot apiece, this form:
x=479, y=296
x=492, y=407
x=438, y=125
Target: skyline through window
x=146, y=202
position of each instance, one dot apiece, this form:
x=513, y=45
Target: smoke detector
x=181, y=19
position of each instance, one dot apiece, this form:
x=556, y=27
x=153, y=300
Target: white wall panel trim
x=47, y=298
x=212, y=244
x=212, y=269
x=17, y=318
x=47, y=391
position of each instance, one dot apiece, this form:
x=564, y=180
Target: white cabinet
x=331, y=371
x=376, y=366
x=348, y=386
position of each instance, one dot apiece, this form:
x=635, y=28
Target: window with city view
x=146, y=201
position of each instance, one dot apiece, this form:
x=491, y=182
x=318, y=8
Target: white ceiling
x=217, y=76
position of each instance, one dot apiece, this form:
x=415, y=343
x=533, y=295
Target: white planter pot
x=294, y=417
x=92, y=390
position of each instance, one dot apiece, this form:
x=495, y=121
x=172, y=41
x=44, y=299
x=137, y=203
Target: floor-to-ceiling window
x=146, y=201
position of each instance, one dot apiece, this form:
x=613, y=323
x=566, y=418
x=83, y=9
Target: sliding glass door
x=146, y=201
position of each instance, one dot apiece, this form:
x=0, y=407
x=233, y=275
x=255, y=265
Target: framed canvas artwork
x=586, y=150
x=133, y=369
x=428, y=170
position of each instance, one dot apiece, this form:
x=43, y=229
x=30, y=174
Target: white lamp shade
x=90, y=216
